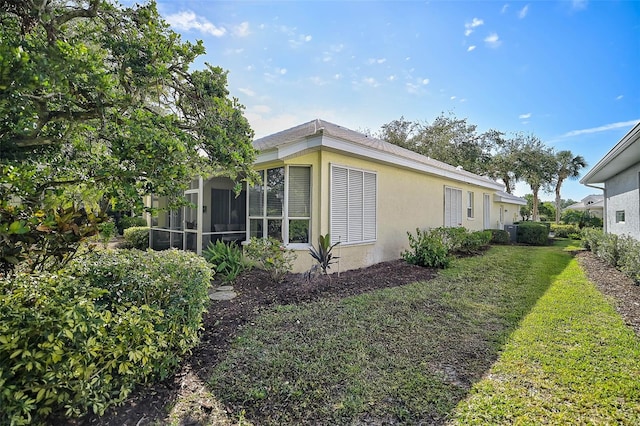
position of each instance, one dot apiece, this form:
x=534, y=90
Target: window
x=281, y=206
x=470, y=205
x=353, y=205
x=619, y=216
x=452, y=207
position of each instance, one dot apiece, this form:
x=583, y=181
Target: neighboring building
x=592, y=204
x=321, y=178
x=619, y=173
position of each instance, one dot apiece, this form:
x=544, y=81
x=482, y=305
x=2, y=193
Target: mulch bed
x=256, y=291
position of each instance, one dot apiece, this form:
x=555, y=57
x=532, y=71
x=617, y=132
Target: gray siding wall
x=623, y=194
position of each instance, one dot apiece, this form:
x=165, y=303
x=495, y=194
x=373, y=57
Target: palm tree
x=536, y=166
x=568, y=167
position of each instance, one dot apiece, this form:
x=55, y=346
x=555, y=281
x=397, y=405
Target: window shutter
x=299, y=191
x=369, y=205
x=339, y=203
x=356, y=191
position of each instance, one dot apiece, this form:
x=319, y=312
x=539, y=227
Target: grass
x=572, y=361
x=411, y=354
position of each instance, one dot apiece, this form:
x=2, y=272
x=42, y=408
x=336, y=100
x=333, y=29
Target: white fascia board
x=375, y=154
x=509, y=200
x=604, y=169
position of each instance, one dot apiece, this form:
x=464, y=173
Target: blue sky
x=566, y=71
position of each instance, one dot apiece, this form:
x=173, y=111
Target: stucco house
x=592, y=204
x=321, y=178
x=618, y=174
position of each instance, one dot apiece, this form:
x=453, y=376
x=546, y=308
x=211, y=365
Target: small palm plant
x=322, y=256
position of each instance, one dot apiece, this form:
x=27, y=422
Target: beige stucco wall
x=406, y=200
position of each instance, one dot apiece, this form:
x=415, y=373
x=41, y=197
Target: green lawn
x=515, y=336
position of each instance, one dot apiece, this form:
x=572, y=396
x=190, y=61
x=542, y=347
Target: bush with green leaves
x=499, y=236
x=137, y=237
x=565, y=231
x=227, y=260
x=629, y=260
x=533, y=233
x=459, y=240
x=80, y=339
x=129, y=222
x=270, y=255
x=427, y=249
x=608, y=249
x=591, y=237
x=106, y=231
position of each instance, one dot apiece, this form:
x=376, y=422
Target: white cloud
x=523, y=12
x=242, y=30
x=524, y=116
x=606, y=127
x=281, y=71
x=425, y=81
x=249, y=67
x=187, y=20
x=337, y=48
x=247, y=91
x=337, y=76
x=263, y=109
x=504, y=9
x=492, y=40
x=318, y=81
x=391, y=78
x=300, y=41
x=372, y=61
x=470, y=48
x=470, y=26
x=453, y=98
x=619, y=97
x=370, y=81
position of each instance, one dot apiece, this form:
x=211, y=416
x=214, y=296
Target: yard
x=517, y=335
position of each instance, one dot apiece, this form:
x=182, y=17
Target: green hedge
x=499, y=236
x=129, y=222
x=79, y=340
x=433, y=247
x=137, y=237
x=534, y=233
x=620, y=251
x=565, y=231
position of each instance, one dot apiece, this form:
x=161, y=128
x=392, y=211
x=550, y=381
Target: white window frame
x=284, y=218
x=620, y=216
x=368, y=206
x=470, y=205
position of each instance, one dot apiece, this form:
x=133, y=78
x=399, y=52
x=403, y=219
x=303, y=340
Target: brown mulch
x=255, y=291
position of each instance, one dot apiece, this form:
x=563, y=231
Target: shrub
x=137, y=237
x=130, y=222
x=499, y=236
x=565, y=231
x=106, y=231
x=607, y=249
x=591, y=237
x=629, y=261
x=427, y=249
x=227, y=260
x=79, y=340
x=534, y=233
x=271, y=256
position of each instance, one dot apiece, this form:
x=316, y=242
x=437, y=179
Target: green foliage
x=106, y=231
x=129, y=222
x=565, y=231
x=581, y=218
x=499, y=236
x=227, y=260
x=591, y=238
x=271, y=256
x=79, y=340
x=620, y=251
x=137, y=237
x=43, y=238
x=533, y=233
x=322, y=255
x=426, y=249
x=629, y=257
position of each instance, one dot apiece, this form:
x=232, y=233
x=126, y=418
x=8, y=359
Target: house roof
x=320, y=133
x=505, y=197
x=625, y=154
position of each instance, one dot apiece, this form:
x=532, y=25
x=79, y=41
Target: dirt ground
x=255, y=291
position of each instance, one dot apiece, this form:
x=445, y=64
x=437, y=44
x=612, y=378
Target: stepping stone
x=224, y=292
x=224, y=288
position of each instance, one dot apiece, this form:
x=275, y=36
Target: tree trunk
x=558, y=201
x=534, y=209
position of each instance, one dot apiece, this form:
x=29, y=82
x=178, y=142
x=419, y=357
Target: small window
x=470, y=205
x=619, y=216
